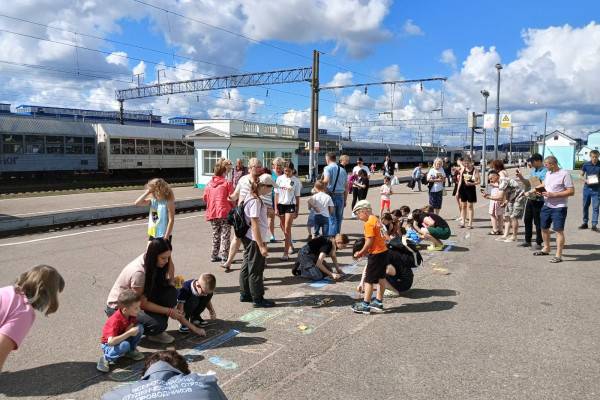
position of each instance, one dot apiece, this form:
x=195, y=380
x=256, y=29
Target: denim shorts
x=554, y=217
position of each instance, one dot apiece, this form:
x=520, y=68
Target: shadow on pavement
x=583, y=246
x=316, y=301
x=425, y=293
x=422, y=307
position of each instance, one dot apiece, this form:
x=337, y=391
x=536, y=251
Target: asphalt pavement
x=484, y=319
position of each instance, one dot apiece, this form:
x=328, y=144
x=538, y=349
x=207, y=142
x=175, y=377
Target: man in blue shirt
x=534, y=205
x=591, y=193
x=335, y=178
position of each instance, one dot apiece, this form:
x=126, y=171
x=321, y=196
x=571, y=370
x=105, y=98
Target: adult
x=287, y=204
x=36, y=289
x=166, y=373
x=277, y=166
x=590, y=171
x=556, y=189
x=467, y=192
x=242, y=189
x=151, y=275
x=239, y=171
x=311, y=258
x=416, y=176
x=432, y=227
x=360, y=165
x=335, y=178
x=159, y=196
x=455, y=171
x=448, y=171
x=435, y=178
x=388, y=167
x=362, y=185
x=218, y=205
x=252, y=287
x=534, y=203
x=396, y=168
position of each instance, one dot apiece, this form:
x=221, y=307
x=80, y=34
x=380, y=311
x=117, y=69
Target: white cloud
x=412, y=29
x=448, y=57
x=140, y=68
x=117, y=58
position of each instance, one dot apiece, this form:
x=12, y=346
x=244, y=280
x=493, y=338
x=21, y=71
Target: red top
x=215, y=196
x=116, y=325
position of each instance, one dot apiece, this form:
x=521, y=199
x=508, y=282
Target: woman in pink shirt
x=216, y=196
x=36, y=289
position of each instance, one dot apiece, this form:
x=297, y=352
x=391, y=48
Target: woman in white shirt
x=436, y=177
x=287, y=204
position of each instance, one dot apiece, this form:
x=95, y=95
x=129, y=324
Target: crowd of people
x=147, y=293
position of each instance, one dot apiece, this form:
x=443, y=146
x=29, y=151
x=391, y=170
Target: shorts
x=467, y=194
x=386, y=203
x=495, y=210
x=439, y=233
x=554, y=217
x=515, y=209
x=286, y=209
x=376, y=266
x=311, y=219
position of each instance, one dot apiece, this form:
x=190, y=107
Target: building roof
x=145, y=131
x=42, y=126
x=557, y=132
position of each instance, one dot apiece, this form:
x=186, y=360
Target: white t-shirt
x=321, y=202
x=244, y=187
x=289, y=189
x=385, y=192
x=437, y=186
x=358, y=168
x=255, y=208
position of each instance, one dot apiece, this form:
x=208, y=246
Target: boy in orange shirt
x=377, y=261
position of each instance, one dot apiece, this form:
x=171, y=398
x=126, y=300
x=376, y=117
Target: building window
x=247, y=155
x=142, y=146
x=115, y=146
x=12, y=144
x=286, y=155
x=34, y=144
x=128, y=146
x=209, y=160
x=74, y=145
x=156, y=147
x=55, y=144
x=168, y=147
x=268, y=157
x=89, y=145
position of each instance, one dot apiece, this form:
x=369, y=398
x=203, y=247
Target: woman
x=255, y=249
x=432, y=227
x=467, y=192
x=362, y=185
x=239, y=171
x=311, y=258
x=287, y=204
x=160, y=198
x=276, y=171
x=216, y=197
x=436, y=177
x=455, y=178
x=36, y=289
x=151, y=275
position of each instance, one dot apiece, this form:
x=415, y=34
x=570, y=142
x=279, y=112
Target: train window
x=142, y=146
x=168, y=147
x=286, y=155
x=268, y=157
x=89, y=145
x=12, y=144
x=209, y=159
x=115, y=146
x=190, y=148
x=180, y=148
x=55, y=144
x=156, y=147
x=74, y=145
x=128, y=146
x=34, y=144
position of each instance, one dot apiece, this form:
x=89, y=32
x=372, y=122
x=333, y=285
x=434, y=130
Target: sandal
x=540, y=253
x=555, y=260
x=225, y=267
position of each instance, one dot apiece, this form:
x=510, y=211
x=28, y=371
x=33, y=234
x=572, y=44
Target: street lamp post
x=497, y=128
x=483, y=162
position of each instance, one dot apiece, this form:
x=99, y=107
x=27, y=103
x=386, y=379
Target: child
x=159, y=196
x=432, y=227
x=496, y=210
x=311, y=258
x=377, y=262
x=287, y=204
x=194, y=297
x=322, y=205
x=386, y=191
x=122, y=333
x=391, y=226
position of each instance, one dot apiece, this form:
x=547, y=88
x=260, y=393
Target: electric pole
x=497, y=128
x=483, y=161
x=314, y=116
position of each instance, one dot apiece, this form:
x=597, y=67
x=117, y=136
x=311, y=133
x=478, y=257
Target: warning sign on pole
x=489, y=121
x=316, y=146
x=505, y=121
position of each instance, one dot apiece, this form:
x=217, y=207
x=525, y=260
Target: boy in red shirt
x=377, y=262
x=122, y=333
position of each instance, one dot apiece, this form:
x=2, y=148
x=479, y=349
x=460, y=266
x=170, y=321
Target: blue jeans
x=336, y=218
x=113, y=353
x=321, y=225
x=590, y=196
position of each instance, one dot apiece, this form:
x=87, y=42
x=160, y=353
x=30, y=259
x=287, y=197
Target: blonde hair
x=41, y=286
x=220, y=167
x=320, y=186
x=160, y=189
x=344, y=157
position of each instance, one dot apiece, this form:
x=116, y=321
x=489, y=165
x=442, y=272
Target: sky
x=76, y=53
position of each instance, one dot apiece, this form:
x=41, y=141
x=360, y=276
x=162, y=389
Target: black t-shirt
x=438, y=221
x=320, y=245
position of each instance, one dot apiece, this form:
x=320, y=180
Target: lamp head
x=498, y=66
x=485, y=93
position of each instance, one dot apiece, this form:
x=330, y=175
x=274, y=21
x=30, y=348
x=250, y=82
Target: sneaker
x=216, y=259
x=433, y=247
x=509, y=240
x=200, y=322
x=135, y=355
x=361, y=308
x=376, y=306
x=103, y=365
x=183, y=329
x=594, y=228
x=272, y=240
x=264, y=303
x=583, y=226
x=245, y=298
x=163, y=338
x=525, y=244
x=285, y=257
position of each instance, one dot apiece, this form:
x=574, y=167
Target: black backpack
x=237, y=218
x=404, y=246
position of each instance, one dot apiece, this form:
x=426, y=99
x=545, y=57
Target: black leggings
x=354, y=196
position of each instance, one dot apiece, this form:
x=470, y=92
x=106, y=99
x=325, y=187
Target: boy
x=194, y=297
x=378, y=258
x=121, y=333
x=322, y=205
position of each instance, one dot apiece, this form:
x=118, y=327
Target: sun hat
x=267, y=180
x=362, y=204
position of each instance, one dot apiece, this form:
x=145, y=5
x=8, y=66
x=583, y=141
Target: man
x=591, y=193
x=534, y=203
x=387, y=167
x=556, y=188
x=335, y=178
x=359, y=165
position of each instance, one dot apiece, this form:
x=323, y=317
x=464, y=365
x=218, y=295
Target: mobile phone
x=482, y=190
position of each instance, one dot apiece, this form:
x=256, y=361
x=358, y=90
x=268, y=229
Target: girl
x=276, y=171
x=36, y=289
x=252, y=287
x=436, y=177
x=311, y=258
x=362, y=185
x=392, y=227
x=386, y=191
x=160, y=198
x=216, y=196
x=467, y=184
x=151, y=275
x=287, y=204
x=432, y=227
x=496, y=210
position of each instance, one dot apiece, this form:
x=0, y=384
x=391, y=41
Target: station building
x=562, y=147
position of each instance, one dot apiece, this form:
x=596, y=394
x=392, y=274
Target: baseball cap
x=360, y=205
x=267, y=180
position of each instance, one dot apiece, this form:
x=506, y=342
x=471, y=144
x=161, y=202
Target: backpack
x=404, y=246
x=237, y=218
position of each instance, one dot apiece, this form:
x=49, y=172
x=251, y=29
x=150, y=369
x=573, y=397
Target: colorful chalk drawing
x=258, y=318
x=129, y=374
x=305, y=329
x=222, y=363
x=320, y=283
